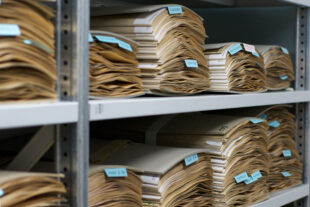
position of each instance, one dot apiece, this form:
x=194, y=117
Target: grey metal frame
x=72, y=141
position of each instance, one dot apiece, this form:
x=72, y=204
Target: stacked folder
x=170, y=50
x=114, y=186
x=235, y=67
x=27, y=63
x=237, y=146
x=170, y=176
x=286, y=166
x=21, y=189
x=278, y=66
x=113, y=66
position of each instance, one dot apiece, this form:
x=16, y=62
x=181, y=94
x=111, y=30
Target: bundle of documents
x=286, y=166
x=170, y=176
x=278, y=66
x=22, y=189
x=113, y=66
x=114, y=186
x=235, y=67
x=170, y=50
x=28, y=68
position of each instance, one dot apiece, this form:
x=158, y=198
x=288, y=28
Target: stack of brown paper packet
x=170, y=176
x=27, y=63
x=113, y=66
x=170, y=50
x=235, y=67
x=278, y=65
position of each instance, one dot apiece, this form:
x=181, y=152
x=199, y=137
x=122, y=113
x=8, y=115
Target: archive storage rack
x=73, y=111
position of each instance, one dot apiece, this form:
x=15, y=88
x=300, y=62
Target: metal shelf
x=37, y=113
x=281, y=198
x=147, y=106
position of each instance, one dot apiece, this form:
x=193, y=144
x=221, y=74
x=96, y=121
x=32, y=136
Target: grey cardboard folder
x=170, y=50
x=23, y=189
x=27, y=62
x=170, y=176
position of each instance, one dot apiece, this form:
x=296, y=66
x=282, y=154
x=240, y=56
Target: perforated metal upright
x=72, y=142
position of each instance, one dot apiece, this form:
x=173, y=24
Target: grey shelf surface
x=147, y=106
x=37, y=113
x=284, y=197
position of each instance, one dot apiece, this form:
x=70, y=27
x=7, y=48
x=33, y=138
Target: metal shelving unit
x=72, y=113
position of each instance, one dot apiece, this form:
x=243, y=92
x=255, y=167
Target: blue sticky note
x=235, y=49
x=263, y=116
x=191, y=159
x=124, y=45
x=116, y=172
x=37, y=44
x=90, y=38
x=256, y=175
x=250, y=180
x=286, y=174
x=191, y=63
x=106, y=39
x=284, y=50
x=286, y=153
x=241, y=177
x=274, y=124
x=175, y=10
x=1, y=192
x=9, y=30
x=255, y=54
x=283, y=77
x=256, y=121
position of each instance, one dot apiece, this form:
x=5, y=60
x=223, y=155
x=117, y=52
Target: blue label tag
x=250, y=180
x=241, y=177
x=124, y=45
x=43, y=47
x=10, y=30
x=1, y=192
x=175, y=9
x=191, y=159
x=274, y=124
x=90, y=38
x=106, y=39
x=116, y=172
x=191, y=63
x=284, y=50
x=286, y=153
x=286, y=174
x=255, y=54
x=235, y=49
x=263, y=116
x=283, y=77
x=256, y=175
x=256, y=121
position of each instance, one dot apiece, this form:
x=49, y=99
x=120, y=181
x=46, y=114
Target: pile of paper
x=170, y=51
x=235, y=67
x=22, y=189
x=286, y=166
x=113, y=66
x=28, y=68
x=114, y=186
x=278, y=66
x=238, y=148
x=170, y=176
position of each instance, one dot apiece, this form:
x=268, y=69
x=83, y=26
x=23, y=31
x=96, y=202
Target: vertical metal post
x=302, y=83
x=72, y=142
